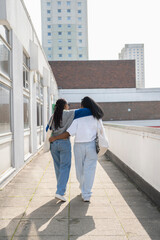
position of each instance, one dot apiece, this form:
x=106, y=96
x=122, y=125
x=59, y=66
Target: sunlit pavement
x=118, y=211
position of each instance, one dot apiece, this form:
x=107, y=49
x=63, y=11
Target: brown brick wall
x=94, y=74
x=119, y=110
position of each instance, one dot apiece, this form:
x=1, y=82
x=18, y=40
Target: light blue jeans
x=61, y=153
x=85, y=163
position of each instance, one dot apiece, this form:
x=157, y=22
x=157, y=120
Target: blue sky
x=114, y=23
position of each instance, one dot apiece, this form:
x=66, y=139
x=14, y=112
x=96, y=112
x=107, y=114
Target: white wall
x=17, y=146
x=111, y=95
x=138, y=148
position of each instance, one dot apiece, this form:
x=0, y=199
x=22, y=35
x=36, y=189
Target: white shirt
x=84, y=129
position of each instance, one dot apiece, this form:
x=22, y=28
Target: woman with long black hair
x=85, y=129
x=61, y=149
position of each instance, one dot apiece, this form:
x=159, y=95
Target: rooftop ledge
x=151, y=130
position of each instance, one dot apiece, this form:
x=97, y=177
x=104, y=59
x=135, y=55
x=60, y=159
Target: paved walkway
x=118, y=211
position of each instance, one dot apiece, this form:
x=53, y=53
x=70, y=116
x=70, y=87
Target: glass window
x=49, y=56
x=48, y=19
x=48, y=11
x=25, y=71
x=69, y=33
x=49, y=26
x=69, y=55
x=68, y=3
x=59, y=18
x=49, y=48
x=38, y=114
x=4, y=33
x=68, y=10
x=79, y=18
x=80, y=48
x=59, y=40
x=80, y=34
x=68, y=18
x=41, y=114
x=59, y=48
x=80, y=40
x=80, y=55
x=48, y=4
x=49, y=41
x=79, y=4
x=26, y=111
x=69, y=40
x=59, y=55
x=5, y=104
x=79, y=26
x=59, y=10
x=59, y=33
x=69, y=48
x=49, y=33
x=59, y=25
x=69, y=25
x=79, y=11
x=59, y=3
x=4, y=59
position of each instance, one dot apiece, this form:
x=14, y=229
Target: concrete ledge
x=141, y=129
x=145, y=187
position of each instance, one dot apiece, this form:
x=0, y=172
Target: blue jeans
x=61, y=153
x=85, y=163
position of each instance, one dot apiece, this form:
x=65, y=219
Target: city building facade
x=27, y=89
x=65, y=29
x=110, y=83
x=135, y=51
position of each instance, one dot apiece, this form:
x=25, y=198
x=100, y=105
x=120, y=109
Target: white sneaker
x=86, y=200
x=60, y=197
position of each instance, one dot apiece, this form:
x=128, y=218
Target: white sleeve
x=73, y=128
x=100, y=124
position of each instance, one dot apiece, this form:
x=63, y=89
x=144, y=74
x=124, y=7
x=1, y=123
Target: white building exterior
x=135, y=51
x=27, y=89
x=65, y=29
x=111, y=95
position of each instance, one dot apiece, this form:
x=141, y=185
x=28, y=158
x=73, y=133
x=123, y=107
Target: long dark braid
x=59, y=107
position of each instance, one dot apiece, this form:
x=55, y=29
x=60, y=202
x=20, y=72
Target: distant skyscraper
x=135, y=51
x=65, y=29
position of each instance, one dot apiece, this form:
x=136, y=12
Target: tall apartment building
x=135, y=51
x=65, y=29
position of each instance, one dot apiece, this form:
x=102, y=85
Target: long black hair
x=59, y=107
x=96, y=110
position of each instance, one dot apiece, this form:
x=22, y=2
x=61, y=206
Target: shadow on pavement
x=51, y=221
x=140, y=205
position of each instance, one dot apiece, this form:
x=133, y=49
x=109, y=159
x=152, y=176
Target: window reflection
x=4, y=109
x=4, y=59
x=26, y=112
